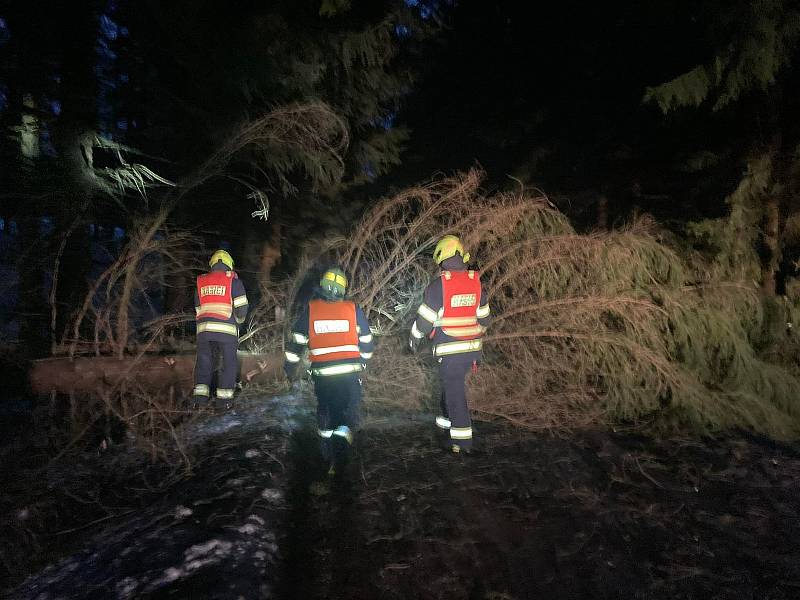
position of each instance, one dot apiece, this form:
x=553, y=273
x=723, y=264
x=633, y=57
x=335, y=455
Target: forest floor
x=592, y=515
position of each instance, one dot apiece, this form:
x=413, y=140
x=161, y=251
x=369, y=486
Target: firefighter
x=338, y=337
x=220, y=304
x=454, y=314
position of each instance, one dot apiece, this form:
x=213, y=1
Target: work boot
x=199, y=407
x=341, y=455
x=463, y=450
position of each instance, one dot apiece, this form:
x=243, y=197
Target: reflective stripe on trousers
x=461, y=433
x=442, y=422
x=210, y=345
x=338, y=407
x=453, y=372
x=342, y=431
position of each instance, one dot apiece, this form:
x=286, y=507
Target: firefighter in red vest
x=339, y=341
x=454, y=314
x=220, y=303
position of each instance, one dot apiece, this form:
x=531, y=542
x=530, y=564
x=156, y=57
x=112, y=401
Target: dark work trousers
x=453, y=372
x=209, y=345
x=338, y=407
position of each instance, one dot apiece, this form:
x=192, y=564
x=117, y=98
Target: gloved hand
x=413, y=344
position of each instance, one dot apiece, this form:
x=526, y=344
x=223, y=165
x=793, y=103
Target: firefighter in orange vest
x=338, y=337
x=454, y=314
x=220, y=304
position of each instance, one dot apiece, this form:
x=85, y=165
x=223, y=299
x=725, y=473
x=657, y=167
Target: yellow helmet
x=221, y=256
x=449, y=246
x=333, y=283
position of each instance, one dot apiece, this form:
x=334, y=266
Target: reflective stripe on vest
x=457, y=347
x=332, y=349
x=214, y=290
x=332, y=331
x=461, y=294
x=336, y=369
x=215, y=327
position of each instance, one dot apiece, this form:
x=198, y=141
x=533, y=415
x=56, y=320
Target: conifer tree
x=748, y=77
x=205, y=68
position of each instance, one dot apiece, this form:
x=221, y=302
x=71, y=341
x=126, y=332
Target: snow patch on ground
x=149, y=555
x=126, y=587
x=256, y=519
x=226, y=423
x=272, y=495
x=196, y=557
x=216, y=548
x=248, y=528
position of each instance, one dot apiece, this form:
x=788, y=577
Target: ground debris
x=594, y=515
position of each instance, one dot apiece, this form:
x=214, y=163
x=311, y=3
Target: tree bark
x=31, y=310
x=96, y=374
x=270, y=253
x=602, y=213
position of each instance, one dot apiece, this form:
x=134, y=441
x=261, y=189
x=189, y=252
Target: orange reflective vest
x=215, y=293
x=461, y=296
x=332, y=333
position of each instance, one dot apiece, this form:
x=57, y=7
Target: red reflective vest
x=332, y=333
x=461, y=296
x=215, y=293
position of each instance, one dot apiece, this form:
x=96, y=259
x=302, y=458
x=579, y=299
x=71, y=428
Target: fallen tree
x=596, y=328
x=156, y=373
x=122, y=315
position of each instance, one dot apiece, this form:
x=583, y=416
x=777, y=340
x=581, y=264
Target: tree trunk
x=602, y=213
x=772, y=245
x=152, y=372
x=31, y=310
x=71, y=268
x=270, y=253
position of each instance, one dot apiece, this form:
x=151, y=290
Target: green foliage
x=277, y=53
x=331, y=8
x=602, y=327
x=732, y=240
x=757, y=40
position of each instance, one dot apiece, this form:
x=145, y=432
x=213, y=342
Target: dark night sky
x=512, y=79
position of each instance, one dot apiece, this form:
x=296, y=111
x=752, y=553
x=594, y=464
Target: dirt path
x=593, y=516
